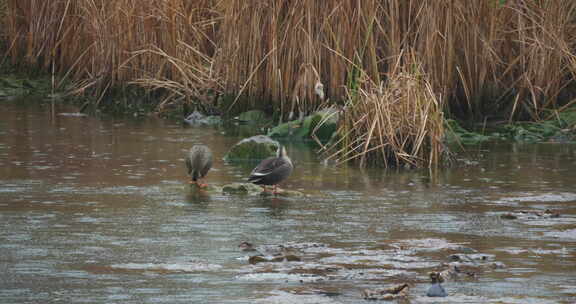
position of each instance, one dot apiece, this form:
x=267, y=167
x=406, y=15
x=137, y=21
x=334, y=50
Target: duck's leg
x=201, y=185
x=198, y=183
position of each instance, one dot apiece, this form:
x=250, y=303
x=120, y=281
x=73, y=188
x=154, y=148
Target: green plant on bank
x=560, y=128
x=456, y=134
x=12, y=85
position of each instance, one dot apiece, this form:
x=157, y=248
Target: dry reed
x=479, y=60
x=100, y=44
x=394, y=123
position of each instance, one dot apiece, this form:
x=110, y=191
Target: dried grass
x=394, y=123
x=100, y=44
x=477, y=60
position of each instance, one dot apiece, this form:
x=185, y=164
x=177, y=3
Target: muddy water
x=96, y=210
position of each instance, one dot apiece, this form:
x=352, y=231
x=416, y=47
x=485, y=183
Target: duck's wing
x=189, y=164
x=207, y=166
x=272, y=165
x=264, y=168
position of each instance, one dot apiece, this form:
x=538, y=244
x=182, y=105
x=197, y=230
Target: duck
x=273, y=170
x=436, y=290
x=199, y=162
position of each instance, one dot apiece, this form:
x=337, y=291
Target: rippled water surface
x=97, y=210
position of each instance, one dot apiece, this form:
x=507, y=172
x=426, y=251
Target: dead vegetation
x=393, y=67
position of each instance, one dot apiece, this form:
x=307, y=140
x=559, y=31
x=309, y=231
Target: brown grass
x=100, y=43
x=476, y=60
x=399, y=122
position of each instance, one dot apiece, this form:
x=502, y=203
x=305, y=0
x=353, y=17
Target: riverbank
x=319, y=128
x=396, y=72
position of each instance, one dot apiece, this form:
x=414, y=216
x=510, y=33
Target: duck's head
x=281, y=152
x=436, y=277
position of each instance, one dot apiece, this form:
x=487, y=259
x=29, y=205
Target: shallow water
x=97, y=210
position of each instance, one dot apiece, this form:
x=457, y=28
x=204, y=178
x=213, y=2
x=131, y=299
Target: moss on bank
x=560, y=128
x=13, y=85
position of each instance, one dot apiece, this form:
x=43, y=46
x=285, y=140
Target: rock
x=321, y=125
x=468, y=266
x=275, y=259
x=210, y=188
x=242, y=188
x=328, y=123
x=276, y=250
x=452, y=273
x=497, y=265
x=197, y=118
x=508, y=216
x=211, y=120
x=286, y=129
x=246, y=246
x=531, y=214
x=303, y=245
x=552, y=213
x=256, y=147
x=470, y=258
x=283, y=192
x=388, y=294
x=194, y=117
x=252, y=117
x=251, y=189
x=255, y=259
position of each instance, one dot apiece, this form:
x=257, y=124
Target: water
x=97, y=210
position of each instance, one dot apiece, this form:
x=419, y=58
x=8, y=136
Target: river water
x=97, y=209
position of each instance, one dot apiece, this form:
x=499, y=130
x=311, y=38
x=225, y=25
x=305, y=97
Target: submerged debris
x=196, y=118
x=254, y=190
x=255, y=259
x=270, y=253
x=457, y=271
x=475, y=257
x=389, y=294
x=508, y=216
x=530, y=214
x=73, y=114
x=269, y=249
x=469, y=266
x=246, y=246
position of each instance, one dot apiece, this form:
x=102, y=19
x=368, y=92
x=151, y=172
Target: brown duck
x=199, y=162
x=273, y=170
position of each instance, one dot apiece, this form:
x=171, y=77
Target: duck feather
x=272, y=170
x=199, y=161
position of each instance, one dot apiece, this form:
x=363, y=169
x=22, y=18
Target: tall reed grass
x=99, y=44
x=398, y=122
x=474, y=60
